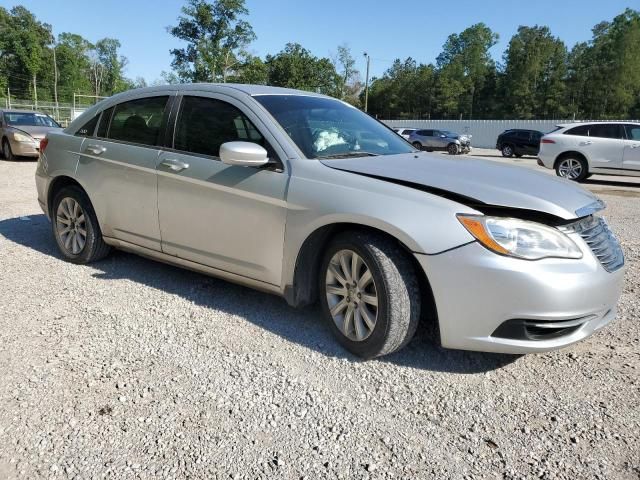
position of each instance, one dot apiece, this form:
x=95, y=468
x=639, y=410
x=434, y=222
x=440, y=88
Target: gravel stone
x=220, y=381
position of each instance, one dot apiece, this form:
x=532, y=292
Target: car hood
x=36, y=132
x=476, y=182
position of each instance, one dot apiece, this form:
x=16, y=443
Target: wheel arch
x=59, y=182
x=304, y=288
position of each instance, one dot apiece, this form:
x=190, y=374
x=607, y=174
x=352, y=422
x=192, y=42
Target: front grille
x=603, y=243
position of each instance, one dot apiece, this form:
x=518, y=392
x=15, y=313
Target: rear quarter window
x=88, y=129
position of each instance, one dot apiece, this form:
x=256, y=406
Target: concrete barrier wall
x=485, y=132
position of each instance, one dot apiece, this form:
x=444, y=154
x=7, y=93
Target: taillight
x=547, y=140
x=43, y=144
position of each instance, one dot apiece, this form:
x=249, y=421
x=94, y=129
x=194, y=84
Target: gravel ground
x=133, y=369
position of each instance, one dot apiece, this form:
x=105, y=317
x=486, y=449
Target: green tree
x=216, y=37
x=465, y=64
x=252, y=70
x=296, y=67
x=605, y=73
x=24, y=47
x=534, y=75
x=72, y=59
x=349, y=85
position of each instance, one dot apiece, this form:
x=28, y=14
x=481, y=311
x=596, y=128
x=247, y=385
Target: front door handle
x=174, y=165
x=95, y=149
x=635, y=145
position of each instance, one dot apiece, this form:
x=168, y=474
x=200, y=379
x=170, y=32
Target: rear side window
x=633, y=132
x=606, y=130
x=523, y=135
x=206, y=123
x=88, y=128
x=138, y=121
x=581, y=131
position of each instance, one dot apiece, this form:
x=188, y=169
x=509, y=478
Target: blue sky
x=385, y=29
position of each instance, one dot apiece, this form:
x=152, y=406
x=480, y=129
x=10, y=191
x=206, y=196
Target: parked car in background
x=519, y=142
x=578, y=150
x=431, y=140
x=404, y=132
x=301, y=195
x=22, y=130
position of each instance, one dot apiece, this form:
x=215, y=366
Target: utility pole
x=55, y=80
x=9, y=98
x=35, y=91
x=366, y=83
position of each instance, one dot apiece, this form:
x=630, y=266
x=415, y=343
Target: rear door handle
x=174, y=165
x=635, y=145
x=586, y=143
x=95, y=149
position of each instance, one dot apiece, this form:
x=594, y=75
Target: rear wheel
x=76, y=228
x=7, y=153
x=572, y=168
x=507, y=151
x=453, y=149
x=369, y=294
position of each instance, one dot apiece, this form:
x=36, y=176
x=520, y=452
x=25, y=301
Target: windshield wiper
x=348, y=155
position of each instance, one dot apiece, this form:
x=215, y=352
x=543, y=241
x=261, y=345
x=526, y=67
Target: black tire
x=7, y=153
x=417, y=145
x=453, y=149
x=507, y=151
x=519, y=155
x=94, y=248
x=584, y=172
x=397, y=289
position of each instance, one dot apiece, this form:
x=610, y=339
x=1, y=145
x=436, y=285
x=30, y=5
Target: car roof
x=14, y=110
x=253, y=90
x=595, y=122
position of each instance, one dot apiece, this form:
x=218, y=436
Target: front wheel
x=417, y=145
x=575, y=169
x=75, y=227
x=369, y=294
x=453, y=149
x=7, y=153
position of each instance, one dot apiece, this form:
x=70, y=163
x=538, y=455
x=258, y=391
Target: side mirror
x=244, y=154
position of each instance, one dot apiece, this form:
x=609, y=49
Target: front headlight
x=20, y=137
x=520, y=238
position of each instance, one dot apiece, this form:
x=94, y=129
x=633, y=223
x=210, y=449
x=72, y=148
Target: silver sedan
x=306, y=197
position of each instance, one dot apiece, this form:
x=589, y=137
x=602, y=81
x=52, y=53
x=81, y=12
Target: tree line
x=538, y=77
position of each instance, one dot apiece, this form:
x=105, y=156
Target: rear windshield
x=29, y=119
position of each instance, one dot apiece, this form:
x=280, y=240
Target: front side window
x=327, y=128
x=606, y=130
x=206, y=123
x=138, y=121
x=29, y=119
x=633, y=132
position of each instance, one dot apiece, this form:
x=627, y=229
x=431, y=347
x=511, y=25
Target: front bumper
x=25, y=149
x=476, y=291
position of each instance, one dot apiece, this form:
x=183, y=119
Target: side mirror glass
x=244, y=154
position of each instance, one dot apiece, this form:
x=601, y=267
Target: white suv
x=578, y=150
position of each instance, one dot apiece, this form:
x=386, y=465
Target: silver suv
x=431, y=140
x=305, y=196
x=578, y=150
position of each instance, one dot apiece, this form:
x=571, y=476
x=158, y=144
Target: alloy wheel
x=71, y=225
x=351, y=295
x=570, y=168
x=507, y=151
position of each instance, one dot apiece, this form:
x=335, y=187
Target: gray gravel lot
x=133, y=369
